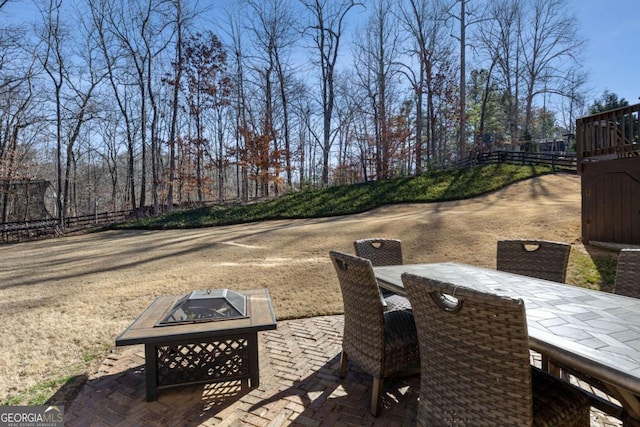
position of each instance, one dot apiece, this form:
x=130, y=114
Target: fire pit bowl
x=206, y=306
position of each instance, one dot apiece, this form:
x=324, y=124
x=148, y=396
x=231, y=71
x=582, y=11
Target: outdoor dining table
x=590, y=332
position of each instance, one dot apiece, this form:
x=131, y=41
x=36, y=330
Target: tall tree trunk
x=462, y=144
x=174, y=107
x=155, y=148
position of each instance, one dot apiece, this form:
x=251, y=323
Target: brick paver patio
x=299, y=385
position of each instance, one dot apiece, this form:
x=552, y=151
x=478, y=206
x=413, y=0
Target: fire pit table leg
x=151, y=371
x=254, y=364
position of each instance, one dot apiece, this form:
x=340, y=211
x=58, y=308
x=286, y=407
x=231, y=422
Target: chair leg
x=552, y=368
x=343, y=364
x=375, y=395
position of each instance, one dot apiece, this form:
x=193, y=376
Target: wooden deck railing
x=609, y=135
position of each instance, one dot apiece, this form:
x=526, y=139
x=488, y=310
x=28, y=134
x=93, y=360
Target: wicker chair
x=476, y=370
x=382, y=343
x=535, y=258
x=627, y=273
x=382, y=251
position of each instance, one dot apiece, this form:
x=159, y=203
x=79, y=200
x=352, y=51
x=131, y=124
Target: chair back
x=474, y=354
x=363, y=338
x=380, y=251
x=542, y=259
x=627, y=273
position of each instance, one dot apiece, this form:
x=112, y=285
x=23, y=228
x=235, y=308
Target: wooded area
x=143, y=105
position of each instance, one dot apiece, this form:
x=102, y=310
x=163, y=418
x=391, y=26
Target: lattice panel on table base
x=220, y=359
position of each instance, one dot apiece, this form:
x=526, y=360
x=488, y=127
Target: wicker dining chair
x=543, y=259
x=380, y=251
x=627, y=273
x=382, y=343
x=474, y=352
x=384, y=251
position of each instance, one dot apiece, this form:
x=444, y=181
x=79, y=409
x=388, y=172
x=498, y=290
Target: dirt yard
x=64, y=301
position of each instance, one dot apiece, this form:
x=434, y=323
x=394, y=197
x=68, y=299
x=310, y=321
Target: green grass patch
x=58, y=389
x=345, y=200
x=38, y=394
x=595, y=272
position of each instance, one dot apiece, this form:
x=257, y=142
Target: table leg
x=631, y=405
x=151, y=371
x=553, y=369
x=254, y=365
x=630, y=422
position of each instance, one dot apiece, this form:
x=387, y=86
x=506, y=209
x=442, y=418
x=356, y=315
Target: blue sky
x=612, y=53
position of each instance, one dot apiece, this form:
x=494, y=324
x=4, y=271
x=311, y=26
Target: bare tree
x=467, y=17
x=307, y=137
x=423, y=21
x=240, y=102
x=53, y=64
x=352, y=109
x=101, y=14
x=463, y=79
x=573, y=101
x=499, y=39
x=273, y=28
x=206, y=86
x=429, y=43
x=376, y=66
x=175, y=81
x=326, y=28
x=139, y=29
x=549, y=44
x=108, y=151
x=82, y=85
x=16, y=105
x=414, y=17
x=75, y=75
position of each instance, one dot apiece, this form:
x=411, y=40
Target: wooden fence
x=95, y=220
x=29, y=230
x=557, y=161
x=13, y=232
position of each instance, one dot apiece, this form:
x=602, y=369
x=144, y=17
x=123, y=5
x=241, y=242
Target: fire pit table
x=206, y=336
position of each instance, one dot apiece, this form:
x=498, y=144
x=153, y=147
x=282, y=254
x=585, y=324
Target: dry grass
x=64, y=301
